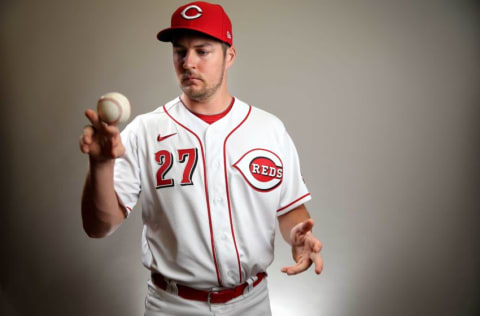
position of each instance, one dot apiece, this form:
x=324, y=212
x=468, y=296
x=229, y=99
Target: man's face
x=200, y=64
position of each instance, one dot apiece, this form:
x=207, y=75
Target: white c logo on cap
x=191, y=17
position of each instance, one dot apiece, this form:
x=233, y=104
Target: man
x=214, y=174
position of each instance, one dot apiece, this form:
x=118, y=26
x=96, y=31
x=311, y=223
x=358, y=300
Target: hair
x=225, y=47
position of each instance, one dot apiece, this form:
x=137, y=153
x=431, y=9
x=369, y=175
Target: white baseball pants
x=254, y=302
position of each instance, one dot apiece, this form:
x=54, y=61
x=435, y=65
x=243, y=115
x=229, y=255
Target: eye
x=179, y=53
x=202, y=52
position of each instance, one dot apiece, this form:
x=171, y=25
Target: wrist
x=100, y=163
x=98, y=167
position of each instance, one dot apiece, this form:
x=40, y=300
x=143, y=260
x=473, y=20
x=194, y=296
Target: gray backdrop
x=381, y=98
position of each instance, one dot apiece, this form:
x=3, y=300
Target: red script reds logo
x=261, y=168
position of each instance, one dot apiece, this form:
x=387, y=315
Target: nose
x=189, y=60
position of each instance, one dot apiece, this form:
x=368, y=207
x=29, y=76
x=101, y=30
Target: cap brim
x=166, y=35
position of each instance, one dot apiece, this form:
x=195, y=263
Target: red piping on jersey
x=228, y=193
x=206, y=194
x=304, y=196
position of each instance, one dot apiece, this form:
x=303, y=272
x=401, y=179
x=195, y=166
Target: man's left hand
x=305, y=249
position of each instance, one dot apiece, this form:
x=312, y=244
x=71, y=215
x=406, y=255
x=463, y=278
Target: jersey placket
x=222, y=229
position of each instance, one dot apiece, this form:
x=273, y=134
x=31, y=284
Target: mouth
x=189, y=77
x=190, y=81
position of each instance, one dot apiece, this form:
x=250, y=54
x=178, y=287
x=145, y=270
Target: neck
x=215, y=104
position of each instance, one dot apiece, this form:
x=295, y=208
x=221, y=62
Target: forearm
x=289, y=220
x=101, y=211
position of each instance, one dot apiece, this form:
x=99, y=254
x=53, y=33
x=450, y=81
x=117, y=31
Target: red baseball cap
x=202, y=17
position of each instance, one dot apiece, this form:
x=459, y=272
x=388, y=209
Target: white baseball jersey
x=210, y=193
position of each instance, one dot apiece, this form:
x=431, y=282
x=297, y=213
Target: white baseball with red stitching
x=113, y=108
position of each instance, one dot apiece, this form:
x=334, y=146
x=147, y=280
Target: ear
x=230, y=56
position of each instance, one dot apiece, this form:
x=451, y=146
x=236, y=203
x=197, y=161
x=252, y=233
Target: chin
x=193, y=93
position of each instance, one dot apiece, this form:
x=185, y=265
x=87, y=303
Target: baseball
x=113, y=108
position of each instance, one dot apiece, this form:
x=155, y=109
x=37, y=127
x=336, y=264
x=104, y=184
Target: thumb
x=300, y=230
x=307, y=226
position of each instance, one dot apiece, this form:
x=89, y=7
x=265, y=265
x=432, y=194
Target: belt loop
x=172, y=287
x=250, y=282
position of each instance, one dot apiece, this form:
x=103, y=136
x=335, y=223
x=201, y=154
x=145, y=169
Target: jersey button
x=216, y=164
x=224, y=236
x=231, y=274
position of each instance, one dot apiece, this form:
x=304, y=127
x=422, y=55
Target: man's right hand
x=102, y=213
x=102, y=142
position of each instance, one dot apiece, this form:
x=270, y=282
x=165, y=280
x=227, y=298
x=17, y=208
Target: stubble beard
x=205, y=92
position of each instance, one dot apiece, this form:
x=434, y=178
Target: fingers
x=100, y=140
x=99, y=125
x=317, y=244
x=110, y=130
x=317, y=261
x=88, y=133
x=315, y=247
x=306, y=253
x=299, y=231
x=86, y=138
x=93, y=118
x=304, y=264
x=301, y=266
x=113, y=134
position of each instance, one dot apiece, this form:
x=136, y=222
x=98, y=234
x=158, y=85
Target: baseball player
x=213, y=174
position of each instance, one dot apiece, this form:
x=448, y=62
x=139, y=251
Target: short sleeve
x=127, y=170
x=294, y=191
